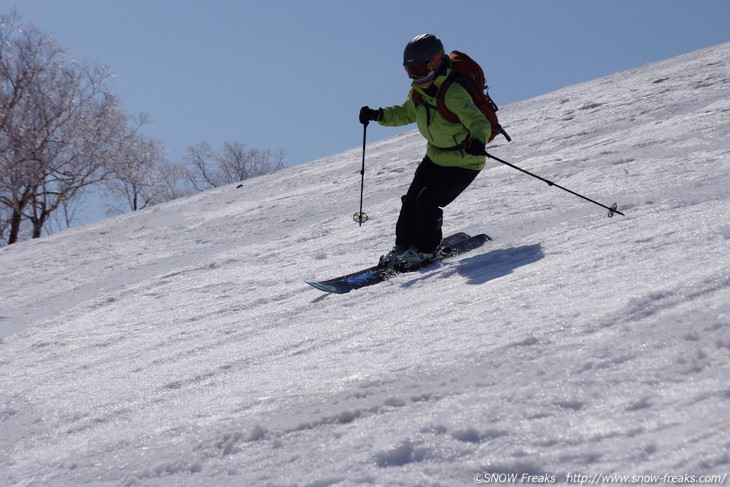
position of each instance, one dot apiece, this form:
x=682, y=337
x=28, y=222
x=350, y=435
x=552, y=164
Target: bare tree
x=201, y=173
x=59, y=125
x=62, y=132
x=139, y=176
x=235, y=162
x=4, y=223
x=170, y=175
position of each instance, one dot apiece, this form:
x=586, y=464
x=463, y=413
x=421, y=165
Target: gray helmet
x=422, y=49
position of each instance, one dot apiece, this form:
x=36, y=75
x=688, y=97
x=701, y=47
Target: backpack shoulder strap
x=441, y=99
x=417, y=98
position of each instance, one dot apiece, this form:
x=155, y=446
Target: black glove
x=367, y=114
x=475, y=147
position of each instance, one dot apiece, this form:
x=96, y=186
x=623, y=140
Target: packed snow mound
x=179, y=345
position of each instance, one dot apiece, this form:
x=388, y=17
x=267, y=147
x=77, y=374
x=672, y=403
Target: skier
x=454, y=154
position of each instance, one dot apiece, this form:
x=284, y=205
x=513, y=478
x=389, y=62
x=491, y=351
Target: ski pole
x=613, y=209
x=361, y=217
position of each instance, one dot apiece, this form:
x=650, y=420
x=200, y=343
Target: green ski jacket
x=445, y=139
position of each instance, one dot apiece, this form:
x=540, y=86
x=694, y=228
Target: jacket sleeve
x=397, y=115
x=459, y=101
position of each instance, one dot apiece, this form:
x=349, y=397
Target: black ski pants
x=433, y=187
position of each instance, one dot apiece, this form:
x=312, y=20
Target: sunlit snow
x=180, y=345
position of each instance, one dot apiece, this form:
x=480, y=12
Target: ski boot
x=388, y=260
x=412, y=259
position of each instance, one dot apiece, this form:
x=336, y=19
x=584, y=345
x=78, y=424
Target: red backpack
x=471, y=76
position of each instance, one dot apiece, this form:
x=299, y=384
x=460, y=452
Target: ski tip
x=318, y=286
x=325, y=288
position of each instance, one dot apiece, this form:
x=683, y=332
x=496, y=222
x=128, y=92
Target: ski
x=375, y=274
x=450, y=246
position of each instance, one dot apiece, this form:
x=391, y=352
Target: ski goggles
x=422, y=70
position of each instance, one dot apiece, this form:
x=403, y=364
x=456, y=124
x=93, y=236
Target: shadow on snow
x=498, y=263
x=483, y=268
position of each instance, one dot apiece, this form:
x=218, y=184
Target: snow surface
x=180, y=346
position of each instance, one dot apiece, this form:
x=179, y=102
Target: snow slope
x=179, y=346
